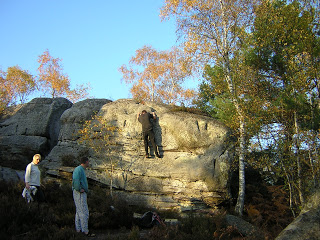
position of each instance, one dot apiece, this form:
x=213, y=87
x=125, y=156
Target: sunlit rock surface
x=196, y=150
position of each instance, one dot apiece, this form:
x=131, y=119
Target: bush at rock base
x=54, y=219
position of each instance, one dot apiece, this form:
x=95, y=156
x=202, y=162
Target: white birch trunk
x=242, y=183
x=297, y=154
x=243, y=147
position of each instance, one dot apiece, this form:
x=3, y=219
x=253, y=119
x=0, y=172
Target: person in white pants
x=80, y=190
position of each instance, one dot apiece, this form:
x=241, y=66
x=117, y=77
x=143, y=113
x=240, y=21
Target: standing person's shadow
x=157, y=134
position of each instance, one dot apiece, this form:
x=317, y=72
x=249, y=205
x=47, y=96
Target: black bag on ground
x=149, y=219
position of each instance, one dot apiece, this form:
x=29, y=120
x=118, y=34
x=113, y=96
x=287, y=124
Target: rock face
x=33, y=128
x=11, y=175
x=194, y=171
x=71, y=122
x=307, y=224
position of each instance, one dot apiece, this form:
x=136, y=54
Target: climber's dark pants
x=146, y=136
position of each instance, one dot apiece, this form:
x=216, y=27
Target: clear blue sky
x=93, y=38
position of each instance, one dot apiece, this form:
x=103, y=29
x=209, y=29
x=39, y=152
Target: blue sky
x=93, y=38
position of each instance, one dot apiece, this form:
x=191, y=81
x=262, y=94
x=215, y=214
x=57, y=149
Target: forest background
x=258, y=64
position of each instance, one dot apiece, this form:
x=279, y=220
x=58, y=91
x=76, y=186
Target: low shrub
x=54, y=219
x=188, y=110
x=107, y=212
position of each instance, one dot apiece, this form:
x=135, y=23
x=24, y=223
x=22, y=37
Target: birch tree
x=20, y=82
x=53, y=81
x=98, y=134
x=16, y=85
x=211, y=31
x=157, y=76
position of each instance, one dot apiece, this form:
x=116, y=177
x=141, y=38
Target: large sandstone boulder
x=194, y=170
x=196, y=150
x=11, y=175
x=307, y=224
x=34, y=128
x=71, y=122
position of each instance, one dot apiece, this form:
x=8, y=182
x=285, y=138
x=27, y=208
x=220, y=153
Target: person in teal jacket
x=80, y=191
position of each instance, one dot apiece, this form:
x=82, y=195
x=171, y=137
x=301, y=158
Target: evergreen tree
x=286, y=52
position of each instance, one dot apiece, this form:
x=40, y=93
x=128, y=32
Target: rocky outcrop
x=11, y=175
x=71, y=122
x=193, y=172
x=33, y=128
x=244, y=228
x=307, y=224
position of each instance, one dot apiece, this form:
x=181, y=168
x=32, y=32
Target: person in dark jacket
x=147, y=131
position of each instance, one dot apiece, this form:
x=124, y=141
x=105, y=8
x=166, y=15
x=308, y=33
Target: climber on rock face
x=147, y=131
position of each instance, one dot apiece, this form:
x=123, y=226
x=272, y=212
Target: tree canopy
x=16, y=85
x=53, y=81
x=211, y=33
x=158, y=76
x=260, y=67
